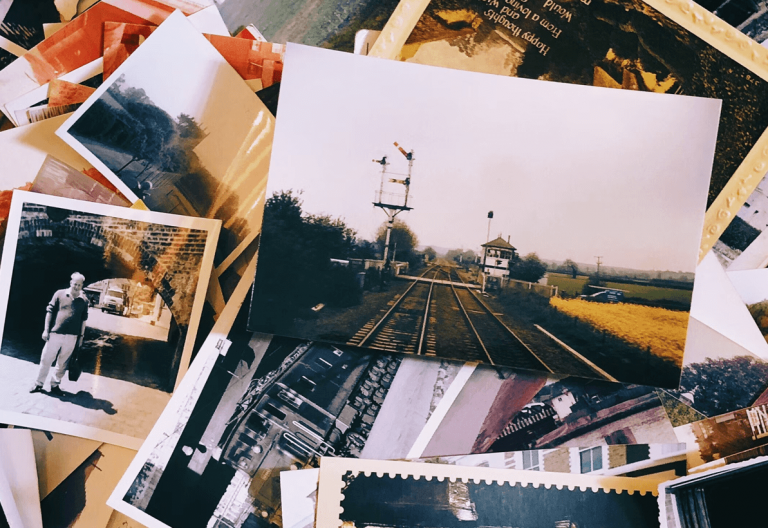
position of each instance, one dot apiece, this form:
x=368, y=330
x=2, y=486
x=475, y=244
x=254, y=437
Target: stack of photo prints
x=499, y=263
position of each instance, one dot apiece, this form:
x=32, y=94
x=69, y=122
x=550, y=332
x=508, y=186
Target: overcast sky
x=569, y=171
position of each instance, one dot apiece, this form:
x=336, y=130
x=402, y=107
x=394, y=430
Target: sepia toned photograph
x=427, y=223
x=198, y=152
x=713, y=441
x=364, y=493
x=56, y=178
x=100, y=315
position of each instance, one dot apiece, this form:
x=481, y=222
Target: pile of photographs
x=440, y=290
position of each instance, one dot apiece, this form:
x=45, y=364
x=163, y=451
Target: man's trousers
x=59, y=348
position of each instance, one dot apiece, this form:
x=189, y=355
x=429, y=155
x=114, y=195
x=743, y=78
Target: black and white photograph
x=100, y=315
x=718, y=498
x=741, y=247
x=363, y=493
x=535, y=227
x=260, y=405
x=202, y=152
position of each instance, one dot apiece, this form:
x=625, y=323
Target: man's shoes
x=56, y=391
x=36, y=388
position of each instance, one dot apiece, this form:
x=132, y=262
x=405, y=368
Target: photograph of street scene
x=275, y=404
x=457, y=246
x=116, y=293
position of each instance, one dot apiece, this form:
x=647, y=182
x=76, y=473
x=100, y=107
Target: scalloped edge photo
x=335, y=476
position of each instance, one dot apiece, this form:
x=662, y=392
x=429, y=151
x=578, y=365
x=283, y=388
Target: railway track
x=414, y=322
x=499, y=343
x=403, y=328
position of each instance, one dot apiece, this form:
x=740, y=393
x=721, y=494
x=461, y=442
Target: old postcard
x=299, y=488
x=444, y=245
x=364, y=493
x=122, y=289
x=652, y=46
x=272, y=404
x=202, y=152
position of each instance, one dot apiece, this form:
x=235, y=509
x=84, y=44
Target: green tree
x=723, y=385
x=295, y=271
x=402, y=241
x=430, y=253
x=453, y=254
x=678, y=412
x=530, y=268
x=468, y=257
x=571, y=267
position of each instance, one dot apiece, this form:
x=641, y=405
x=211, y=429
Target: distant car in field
x=607, y=296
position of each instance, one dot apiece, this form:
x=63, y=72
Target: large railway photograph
x=557, y=234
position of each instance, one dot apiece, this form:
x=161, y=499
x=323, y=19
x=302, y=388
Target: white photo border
x=210, y=226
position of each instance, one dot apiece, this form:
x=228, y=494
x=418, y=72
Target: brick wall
x=168, y=257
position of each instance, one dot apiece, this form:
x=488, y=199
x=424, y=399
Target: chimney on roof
x=507, y=239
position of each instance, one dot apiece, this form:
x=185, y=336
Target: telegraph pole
x=485, y=249
x=599, y=261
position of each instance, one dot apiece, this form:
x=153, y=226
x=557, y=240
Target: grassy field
x=656, y=329
x=573, y=287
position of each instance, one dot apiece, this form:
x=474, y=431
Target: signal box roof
x=499, y=243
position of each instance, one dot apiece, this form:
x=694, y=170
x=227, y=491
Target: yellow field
x=663, y=331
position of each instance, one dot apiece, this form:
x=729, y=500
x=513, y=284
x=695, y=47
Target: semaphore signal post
x=393, y=203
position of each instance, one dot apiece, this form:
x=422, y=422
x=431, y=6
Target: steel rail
x=509, y=330
x=390, y=311
x=426, y=314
